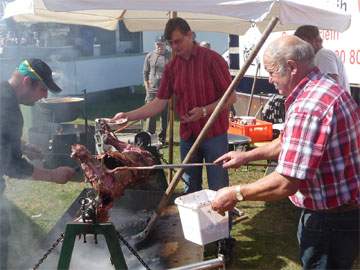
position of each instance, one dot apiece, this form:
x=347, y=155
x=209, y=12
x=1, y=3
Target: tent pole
x=253, y=90
x=169, y=191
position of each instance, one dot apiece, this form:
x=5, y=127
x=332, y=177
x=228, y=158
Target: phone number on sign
x=349, y=56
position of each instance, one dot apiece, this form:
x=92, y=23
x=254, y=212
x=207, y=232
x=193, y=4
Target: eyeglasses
x=175, y=41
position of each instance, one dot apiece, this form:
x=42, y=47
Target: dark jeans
x=328, y=240
x=209, y=150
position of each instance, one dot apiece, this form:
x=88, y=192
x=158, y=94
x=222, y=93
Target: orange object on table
x=261, y=131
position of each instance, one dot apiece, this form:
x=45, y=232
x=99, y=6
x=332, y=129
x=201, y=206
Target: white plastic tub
x=200, y=224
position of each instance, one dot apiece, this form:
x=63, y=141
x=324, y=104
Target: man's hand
x=121, y=116
x=61, y=175
x=32, y=151
x=225, y=200
x=193, y=115
x=233, y=159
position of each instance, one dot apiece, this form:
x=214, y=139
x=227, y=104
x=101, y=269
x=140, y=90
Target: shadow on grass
x=267, y=240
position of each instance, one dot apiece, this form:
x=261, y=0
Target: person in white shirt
x=326, y=60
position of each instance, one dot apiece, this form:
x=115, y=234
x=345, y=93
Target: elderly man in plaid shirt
x=318, y=157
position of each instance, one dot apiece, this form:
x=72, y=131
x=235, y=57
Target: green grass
x=43, y=202
x=267, y=240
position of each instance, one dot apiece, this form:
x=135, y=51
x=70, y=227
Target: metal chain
x=132, y=250
x=61, y=238
x=47, y=253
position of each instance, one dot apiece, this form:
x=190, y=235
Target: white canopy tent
x=233, y=17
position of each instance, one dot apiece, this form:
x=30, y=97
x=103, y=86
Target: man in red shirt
x=197, y=77
x=318, y=158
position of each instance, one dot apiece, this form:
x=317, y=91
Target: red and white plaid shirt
x=321, y=144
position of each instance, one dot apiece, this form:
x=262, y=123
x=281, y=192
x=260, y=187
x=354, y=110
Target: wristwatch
x=204, y=112
x=239, y=195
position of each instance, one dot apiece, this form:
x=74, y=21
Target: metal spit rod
x=186, y=165
x=166, y=166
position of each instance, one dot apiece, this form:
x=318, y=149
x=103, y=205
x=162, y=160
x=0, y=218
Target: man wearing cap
x=29, y=83
x=154, y=65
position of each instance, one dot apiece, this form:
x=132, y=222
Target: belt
x=341, y=208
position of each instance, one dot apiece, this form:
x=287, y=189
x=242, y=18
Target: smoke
x=97, y=256
x=21, y=237
x=26, y=245
x=29, y=216
x=85, y=255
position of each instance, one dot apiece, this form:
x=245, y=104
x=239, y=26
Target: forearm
x=230, y=101
x=60, y=175
x=149, y=109
x=269, y=188
x=269, y=151
x=42, y=174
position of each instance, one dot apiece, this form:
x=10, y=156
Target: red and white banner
x=346, y=44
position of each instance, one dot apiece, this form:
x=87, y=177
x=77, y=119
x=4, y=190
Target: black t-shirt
x=12, y=162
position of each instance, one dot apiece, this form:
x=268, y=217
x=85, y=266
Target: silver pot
x=62, y=109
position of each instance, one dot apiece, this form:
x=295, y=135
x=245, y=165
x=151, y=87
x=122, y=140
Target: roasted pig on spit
x=102, y=173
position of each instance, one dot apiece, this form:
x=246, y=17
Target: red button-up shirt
x=198, y=81
x=321, y=144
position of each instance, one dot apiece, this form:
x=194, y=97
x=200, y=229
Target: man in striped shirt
x=197, y=77
x=318, y=157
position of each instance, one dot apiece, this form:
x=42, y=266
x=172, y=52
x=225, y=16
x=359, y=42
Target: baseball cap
x=160, y=39
x=39, y=70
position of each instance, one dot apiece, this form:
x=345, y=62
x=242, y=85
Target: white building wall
x=93, y=74
x=97, y=74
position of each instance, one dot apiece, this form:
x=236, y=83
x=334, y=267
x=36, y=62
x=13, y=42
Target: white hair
x=293, y=48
